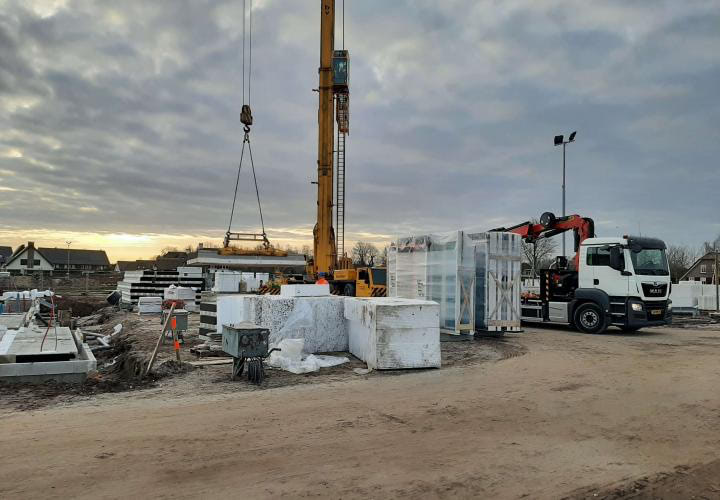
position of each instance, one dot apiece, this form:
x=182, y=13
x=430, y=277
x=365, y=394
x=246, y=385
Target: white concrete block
x=706, y=303
x=317, y=320
x=392, y=333
x=233, y=309
x=149, y=305
x=304, y=290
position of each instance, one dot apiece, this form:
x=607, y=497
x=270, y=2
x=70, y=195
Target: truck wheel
x=349, y=290
x=589, y=318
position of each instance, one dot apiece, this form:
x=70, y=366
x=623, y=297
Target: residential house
x=29, y=259
x=159, y=264
x=5, y=254
x=703, y=270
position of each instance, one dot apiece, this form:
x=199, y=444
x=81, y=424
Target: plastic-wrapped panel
x=503, y=282
x=473, y=276
x=438, y=267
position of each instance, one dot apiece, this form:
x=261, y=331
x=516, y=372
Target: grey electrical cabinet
x=245, y=340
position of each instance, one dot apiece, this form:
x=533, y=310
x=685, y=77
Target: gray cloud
x=130, y=109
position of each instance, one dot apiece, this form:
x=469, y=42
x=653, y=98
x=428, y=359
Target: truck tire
x=589, y=318
x=349, y=290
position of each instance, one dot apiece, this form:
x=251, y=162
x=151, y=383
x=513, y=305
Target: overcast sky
x=119, y=121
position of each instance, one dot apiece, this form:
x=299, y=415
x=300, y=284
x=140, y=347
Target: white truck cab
x=623, y=282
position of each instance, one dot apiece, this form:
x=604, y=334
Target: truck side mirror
x=615, y=259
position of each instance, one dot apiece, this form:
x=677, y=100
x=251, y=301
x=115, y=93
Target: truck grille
x=655, y=310
x=650, y=290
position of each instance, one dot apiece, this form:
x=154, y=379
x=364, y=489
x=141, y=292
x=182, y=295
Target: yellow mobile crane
x=334, y=97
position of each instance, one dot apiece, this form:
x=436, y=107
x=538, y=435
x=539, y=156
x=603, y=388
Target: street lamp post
x=68, y=259
x=560, y=139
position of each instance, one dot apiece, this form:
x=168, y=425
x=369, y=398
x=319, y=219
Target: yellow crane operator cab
x=340, y=64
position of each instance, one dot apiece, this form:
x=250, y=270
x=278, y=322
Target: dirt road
x=572, y=412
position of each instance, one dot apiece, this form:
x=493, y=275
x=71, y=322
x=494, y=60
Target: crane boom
x=549, y=225
x=323, y=234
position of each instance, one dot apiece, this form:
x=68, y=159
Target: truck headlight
x=636, y=306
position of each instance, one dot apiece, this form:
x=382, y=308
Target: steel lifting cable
x=247, y=120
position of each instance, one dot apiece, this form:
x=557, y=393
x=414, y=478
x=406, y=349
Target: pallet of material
x=208, y=313
x=136, y=284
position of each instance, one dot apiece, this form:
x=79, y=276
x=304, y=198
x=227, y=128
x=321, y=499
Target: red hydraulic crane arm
x=549, y=226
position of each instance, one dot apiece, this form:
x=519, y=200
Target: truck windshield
x=650, y=261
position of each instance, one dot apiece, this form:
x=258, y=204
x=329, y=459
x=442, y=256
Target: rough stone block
x=318, y=320
x=392, y=333
x=305, y=290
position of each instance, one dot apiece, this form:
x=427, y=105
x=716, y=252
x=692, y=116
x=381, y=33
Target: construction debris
x=290, y=357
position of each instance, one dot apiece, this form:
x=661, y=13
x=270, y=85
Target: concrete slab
x=391, y=333
x=26, y=344
x=11, y=321
x=72, y=371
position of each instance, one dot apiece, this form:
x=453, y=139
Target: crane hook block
x=246, y=115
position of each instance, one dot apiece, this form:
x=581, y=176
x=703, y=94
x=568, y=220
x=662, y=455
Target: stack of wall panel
x=208, y=314
x=150, y=283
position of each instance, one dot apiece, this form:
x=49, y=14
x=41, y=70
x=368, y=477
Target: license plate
x=656, y=311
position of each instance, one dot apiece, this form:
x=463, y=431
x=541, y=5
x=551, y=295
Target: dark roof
x=174, y=255
x=163, y=264
x=5, y=253
x=77, y=256
x=135, y=265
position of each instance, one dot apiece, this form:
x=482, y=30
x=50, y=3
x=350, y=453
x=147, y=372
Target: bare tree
x=680, y=258
x=364, y=254
x=711, y=246
x=539, y=254
x=384, y=256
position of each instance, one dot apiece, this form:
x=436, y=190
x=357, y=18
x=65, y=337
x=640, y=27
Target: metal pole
x=563, y=198
x=68, y=258
x=717, y=284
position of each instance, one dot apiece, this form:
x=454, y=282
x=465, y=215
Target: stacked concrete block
x=317, y=320
x=393, y=333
